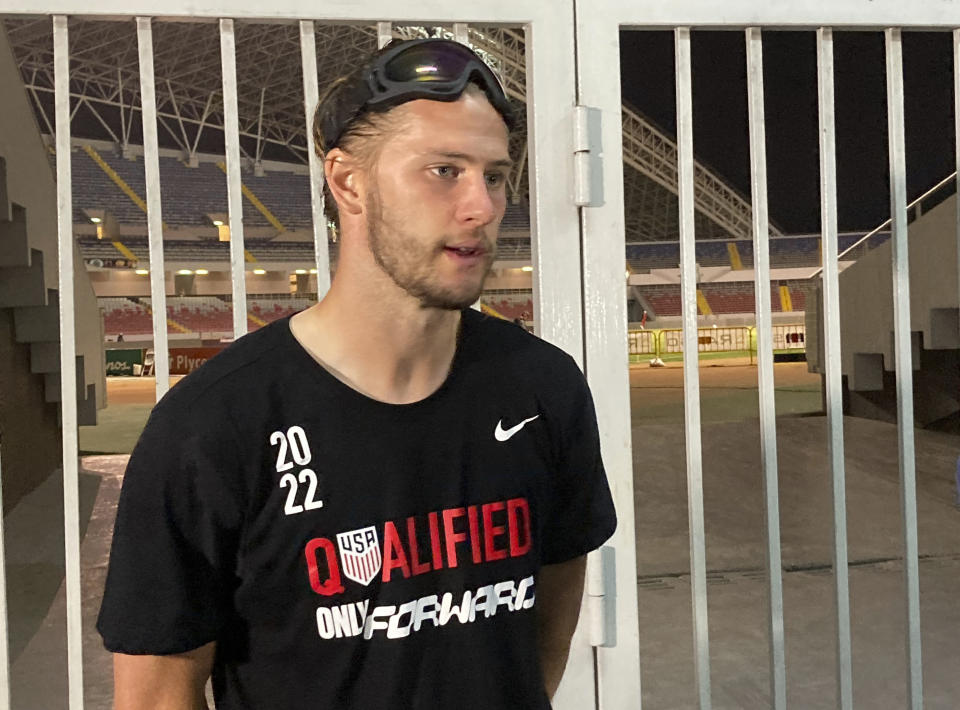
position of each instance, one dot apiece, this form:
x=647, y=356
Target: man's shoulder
x=247, y=363
x=508, y=339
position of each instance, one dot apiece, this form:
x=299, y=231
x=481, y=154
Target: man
x=383, y=501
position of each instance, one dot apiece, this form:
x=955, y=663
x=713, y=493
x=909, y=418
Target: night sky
x=790, y=86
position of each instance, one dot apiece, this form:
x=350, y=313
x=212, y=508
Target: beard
x=410, y=263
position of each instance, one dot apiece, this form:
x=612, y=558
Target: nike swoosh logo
x=503, y=435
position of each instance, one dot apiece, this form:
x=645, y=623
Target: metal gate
x=598, y=25
x=571, y=55
x=550, y=96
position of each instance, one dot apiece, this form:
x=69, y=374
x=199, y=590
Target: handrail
x=886, y=223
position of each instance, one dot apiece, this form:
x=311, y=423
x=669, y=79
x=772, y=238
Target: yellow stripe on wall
x=119, y=181
x=492, y=311
x=735, y=263
x=255, y=201
x=702, y=304
x=786, y=303
x=123, y=250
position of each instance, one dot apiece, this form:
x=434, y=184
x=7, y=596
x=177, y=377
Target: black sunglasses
x=436, y=69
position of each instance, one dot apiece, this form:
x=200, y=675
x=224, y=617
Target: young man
x=385, y=500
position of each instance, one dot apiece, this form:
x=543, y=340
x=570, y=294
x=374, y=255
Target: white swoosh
x=502, y=435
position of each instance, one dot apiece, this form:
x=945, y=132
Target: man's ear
x=344, y=179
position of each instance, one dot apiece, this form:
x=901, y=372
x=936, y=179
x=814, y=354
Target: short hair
x=362, y=136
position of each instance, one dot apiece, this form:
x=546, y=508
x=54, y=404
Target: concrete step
x=51, y=381
x=39, y=324
x=14, y=247
x=23, y=285
x=4, y=200
x=944, y=330
x=87, y=408
x=44, y=357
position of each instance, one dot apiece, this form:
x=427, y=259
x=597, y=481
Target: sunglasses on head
x=436, y=69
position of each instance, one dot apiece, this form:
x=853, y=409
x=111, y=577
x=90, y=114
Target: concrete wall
x=866, y=296
x=35, y=448
x=30, y=444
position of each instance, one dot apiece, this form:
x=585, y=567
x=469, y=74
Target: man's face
x=436, y=197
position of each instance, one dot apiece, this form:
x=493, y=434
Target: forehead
x=468, y=125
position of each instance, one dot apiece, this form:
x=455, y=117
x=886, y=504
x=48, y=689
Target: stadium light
x=185, y=272
x=313, y=271
x=96, y=220
x=300, y=271
x=142, y=272
x=260, y=272
x=217, y=223
x=201, y=272
x=526, y=268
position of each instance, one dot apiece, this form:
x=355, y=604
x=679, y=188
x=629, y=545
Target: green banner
x=121, y=362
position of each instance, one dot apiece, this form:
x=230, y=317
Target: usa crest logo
x=360, y=554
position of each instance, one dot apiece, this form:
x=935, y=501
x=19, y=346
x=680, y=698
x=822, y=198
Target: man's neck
x=386, y=347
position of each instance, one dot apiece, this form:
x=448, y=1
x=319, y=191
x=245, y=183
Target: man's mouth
x=466, y=251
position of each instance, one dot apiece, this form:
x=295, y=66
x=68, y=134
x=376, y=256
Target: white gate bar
x=832, y=352
x=924, y=14
x=4, y=641
x=151, y=165
x=311, y=94
x=691, y=366
x=956, y=113
x=903, y=361
x=605, y=336
x=68, y=366
x=768, y=412
x=384, y=34
x=231, y=135
x=854, y=14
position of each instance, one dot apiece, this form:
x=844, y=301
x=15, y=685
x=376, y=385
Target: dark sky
x=790, y=87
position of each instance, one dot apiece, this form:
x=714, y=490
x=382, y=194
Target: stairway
x=35, y=308
x=866, y=317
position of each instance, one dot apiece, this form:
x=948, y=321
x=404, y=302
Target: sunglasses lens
x=429, y=63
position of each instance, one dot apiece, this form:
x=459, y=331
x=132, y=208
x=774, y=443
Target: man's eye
x=446, y=171
x=495, y=179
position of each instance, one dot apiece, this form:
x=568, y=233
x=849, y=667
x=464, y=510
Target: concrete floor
x=734, y=528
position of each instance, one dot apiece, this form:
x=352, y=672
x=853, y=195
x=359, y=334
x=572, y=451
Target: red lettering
x=490, y=531
x=519, y=508
x=474, y=534
x=435, y=541
x=393, y=555
x=452, y=537
x=332, y=585
x=418, y=568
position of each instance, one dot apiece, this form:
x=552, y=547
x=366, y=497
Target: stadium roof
x=105, y=87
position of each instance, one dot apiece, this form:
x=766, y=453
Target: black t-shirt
x=350, y=554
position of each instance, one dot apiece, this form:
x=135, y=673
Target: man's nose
x=476, y=203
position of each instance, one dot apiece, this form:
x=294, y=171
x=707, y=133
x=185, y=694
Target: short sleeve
x=582, y=512
x=172, y=564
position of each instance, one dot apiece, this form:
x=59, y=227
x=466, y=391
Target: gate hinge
x=602, y=596
x=587, y=157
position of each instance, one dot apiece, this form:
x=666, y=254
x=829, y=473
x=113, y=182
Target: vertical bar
x=461, y=34
x=151, y=165
x=768, y=414
x=311, y=94
x=903, y=361
x=956, y=113
x=4, y=643
x=834, y=393
x=691, y=367
x=68, y=366
x=231, y=134
x=384, y=34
